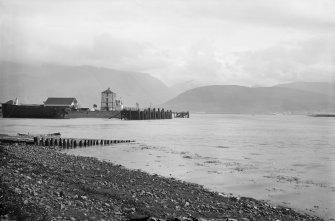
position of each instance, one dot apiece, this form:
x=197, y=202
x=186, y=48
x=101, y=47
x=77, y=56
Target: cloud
x=109, y=51
x=218, y=41
x=308, y=60
x=299, y=14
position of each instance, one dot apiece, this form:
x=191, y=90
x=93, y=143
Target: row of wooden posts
x=145, y=114
x=74, y=142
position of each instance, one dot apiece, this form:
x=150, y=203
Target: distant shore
x=40, y=183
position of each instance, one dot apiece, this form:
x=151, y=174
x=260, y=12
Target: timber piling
x=145, y=114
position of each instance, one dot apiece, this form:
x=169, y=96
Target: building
x=108, y=98
x=119, y=105
x=69, y=102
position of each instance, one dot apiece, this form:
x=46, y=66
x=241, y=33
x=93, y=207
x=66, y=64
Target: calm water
x=287, y=160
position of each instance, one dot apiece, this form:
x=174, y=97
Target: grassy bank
x=40, y=183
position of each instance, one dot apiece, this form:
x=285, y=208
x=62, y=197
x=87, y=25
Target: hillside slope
x=238, y=99
x=33, y=84
x=316, y=87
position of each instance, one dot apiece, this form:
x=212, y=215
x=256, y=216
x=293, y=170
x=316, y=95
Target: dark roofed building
x=62, y=102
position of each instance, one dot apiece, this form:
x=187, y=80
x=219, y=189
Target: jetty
x=145, y=114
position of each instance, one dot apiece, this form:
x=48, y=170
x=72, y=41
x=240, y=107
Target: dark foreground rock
x=39, y=183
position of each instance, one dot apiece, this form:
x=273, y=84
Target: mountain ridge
x=34, y=83
x=241, y=99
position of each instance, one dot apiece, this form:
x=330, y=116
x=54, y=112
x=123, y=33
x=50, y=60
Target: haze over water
x=287, y=160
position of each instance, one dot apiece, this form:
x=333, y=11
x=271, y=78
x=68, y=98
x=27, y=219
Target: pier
x=145, y=114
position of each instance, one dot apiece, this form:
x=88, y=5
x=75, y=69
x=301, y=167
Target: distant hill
x=184, y=86
x=34, y=83
x=316, y=87
x=238, y=99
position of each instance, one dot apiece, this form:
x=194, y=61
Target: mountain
x=184, y=86
x=239, y=99
x=35, y=83
x=316, y=87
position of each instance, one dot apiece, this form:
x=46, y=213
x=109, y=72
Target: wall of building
x=108, y=101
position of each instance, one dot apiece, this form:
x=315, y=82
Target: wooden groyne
x=75, y=142
x=145, y=114
x=59, y=142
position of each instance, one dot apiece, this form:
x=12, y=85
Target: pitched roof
x=60, y=100
x=108, y=91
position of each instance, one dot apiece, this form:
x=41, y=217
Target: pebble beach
x=41, y=183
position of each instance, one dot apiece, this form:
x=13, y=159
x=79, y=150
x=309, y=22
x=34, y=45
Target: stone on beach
x=41, y=183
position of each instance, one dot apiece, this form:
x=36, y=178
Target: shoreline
x=43, y=183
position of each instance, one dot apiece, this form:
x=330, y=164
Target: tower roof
x=108, y=91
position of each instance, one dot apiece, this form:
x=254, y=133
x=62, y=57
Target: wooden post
x=56, y=141
x=64, y=143
x=36, y=141
x=47, y=142
x=42, y=141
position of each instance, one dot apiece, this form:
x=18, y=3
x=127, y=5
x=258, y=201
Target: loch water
x=284, y=159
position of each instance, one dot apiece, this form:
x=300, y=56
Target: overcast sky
x=258, y=42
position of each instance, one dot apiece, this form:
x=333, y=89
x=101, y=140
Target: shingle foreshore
x=41, y=183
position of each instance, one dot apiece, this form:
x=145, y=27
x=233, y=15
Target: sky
x=244, y=42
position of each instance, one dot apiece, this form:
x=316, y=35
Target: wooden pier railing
x=145, y=114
